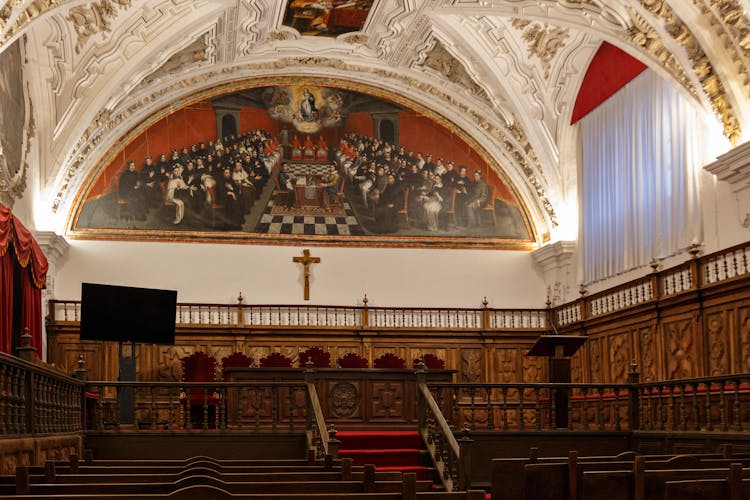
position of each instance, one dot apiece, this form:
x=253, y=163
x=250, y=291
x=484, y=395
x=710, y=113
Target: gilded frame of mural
x=319, y=205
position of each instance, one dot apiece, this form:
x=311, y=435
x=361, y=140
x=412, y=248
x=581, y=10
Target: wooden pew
x=642, y=483
x=545, y=478
x=733, y=488
x=407, y=490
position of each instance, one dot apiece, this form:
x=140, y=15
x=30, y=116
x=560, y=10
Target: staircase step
x=380, y=458
x=378, y=439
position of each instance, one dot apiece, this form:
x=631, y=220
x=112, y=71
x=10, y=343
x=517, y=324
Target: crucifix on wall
x=306, y=260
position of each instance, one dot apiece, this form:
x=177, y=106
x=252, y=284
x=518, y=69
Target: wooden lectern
x=559, y=349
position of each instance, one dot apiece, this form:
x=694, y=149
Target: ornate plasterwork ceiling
x=505, y=72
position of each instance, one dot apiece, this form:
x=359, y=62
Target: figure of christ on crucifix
x=306, y=260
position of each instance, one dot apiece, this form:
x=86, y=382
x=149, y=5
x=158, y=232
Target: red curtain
x=27, y=252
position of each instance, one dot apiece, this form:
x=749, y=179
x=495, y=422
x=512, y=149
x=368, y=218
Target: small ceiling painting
x=327, y=18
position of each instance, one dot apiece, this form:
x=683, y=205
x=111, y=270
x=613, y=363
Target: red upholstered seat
x=200, y=367
x=276, y=360
x=352, y=360
x=234, y=360
x=389, y=360
x=319, y=357
x=431, y=361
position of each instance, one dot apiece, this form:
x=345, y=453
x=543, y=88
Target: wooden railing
x=531, y=407
x=197, y=406
x=362, y=317
x=316, y=431
x=700, y=272
x=35, y=400
x=709, y=404
x=451, y=460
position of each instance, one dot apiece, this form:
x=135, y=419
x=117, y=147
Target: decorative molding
x=701, y=65
x=54, y=246
x=557, y=262
x=94, y=18
x=733, y=167
x=544, y=41
x=445, y=64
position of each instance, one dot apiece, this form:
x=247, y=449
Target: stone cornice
x=733, y=167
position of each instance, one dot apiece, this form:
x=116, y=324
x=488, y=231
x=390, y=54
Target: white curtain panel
x=642, y=153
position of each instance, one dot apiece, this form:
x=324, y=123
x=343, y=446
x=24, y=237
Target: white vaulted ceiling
x=506, y=72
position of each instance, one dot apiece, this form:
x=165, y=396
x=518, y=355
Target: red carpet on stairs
x=387, y=450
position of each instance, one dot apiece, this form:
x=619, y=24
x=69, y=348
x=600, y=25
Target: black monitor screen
x=127, y=314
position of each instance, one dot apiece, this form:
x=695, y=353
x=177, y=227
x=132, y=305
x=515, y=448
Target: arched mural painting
x=305, y=166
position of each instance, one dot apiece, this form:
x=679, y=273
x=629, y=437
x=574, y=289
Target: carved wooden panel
x=620, y=355
x=576, y=366
x=507, y=365
x=344, y=400
x=595, y=359
x=647, y=367
x=387, y=401
x=471, y=366
x=534, y=369
x=744, y=338
x=718, y=343
x=681, y=349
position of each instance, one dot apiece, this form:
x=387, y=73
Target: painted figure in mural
x=131, y=191
x=307, y=109
x=477, y=198
x=331, y=185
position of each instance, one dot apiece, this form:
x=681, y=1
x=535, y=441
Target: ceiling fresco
x=504, y=73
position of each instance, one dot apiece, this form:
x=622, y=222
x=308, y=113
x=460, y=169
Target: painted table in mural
x=308, y=192
x=349, y=397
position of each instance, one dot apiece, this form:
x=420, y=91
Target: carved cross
x=306, y=260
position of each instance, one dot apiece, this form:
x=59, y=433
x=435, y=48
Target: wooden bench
x=209, y=488
x=545, y=478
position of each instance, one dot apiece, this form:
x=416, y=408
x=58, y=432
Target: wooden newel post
x=26, y=351
x=464, y=460
x=634, y=401
x=333, y=443
x=559, y=349
x=485, y=315
x=240, y=316
x=365, y=313
x=421, y=374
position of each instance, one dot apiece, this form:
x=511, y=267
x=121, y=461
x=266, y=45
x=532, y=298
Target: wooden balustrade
x=452, y=466
x=531, y=407
x=36, y=400
x=197, y=406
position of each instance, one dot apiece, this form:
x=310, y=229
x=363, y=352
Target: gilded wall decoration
x=680, y=349
x=718, y=343
x=701, y=64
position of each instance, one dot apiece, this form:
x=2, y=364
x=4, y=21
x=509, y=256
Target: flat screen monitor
x=127, y=314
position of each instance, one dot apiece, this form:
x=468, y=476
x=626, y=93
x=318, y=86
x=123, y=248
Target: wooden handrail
x=318, y=421
x=446, y=461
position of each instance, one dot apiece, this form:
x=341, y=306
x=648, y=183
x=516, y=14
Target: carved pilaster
x=558, y=265
x=55, y=248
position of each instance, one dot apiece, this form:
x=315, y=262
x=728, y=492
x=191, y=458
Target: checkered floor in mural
x=309, y=168
x=310, y=223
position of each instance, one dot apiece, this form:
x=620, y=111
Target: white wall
x=266, y=274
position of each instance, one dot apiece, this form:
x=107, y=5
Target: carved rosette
x=344, y=400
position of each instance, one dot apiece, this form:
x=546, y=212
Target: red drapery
x=27, y=252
